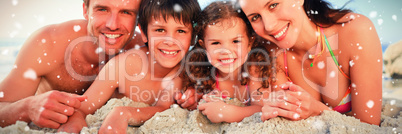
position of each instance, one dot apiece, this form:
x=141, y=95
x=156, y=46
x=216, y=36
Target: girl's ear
x=85, y=11
x=143, y=36
x=251, y=42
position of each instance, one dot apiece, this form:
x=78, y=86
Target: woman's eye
x=255, y=18
x=272, y=6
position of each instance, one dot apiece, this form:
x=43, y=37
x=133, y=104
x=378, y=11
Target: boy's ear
x=201, y=42
x=143, y=36
x=85, y=11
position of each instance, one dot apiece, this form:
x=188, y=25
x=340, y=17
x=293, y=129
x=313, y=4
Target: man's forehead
x=116, y=3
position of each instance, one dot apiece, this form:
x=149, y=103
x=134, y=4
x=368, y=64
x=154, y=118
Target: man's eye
x=102, y=10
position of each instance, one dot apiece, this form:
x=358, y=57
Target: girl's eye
x=272, y=6
x=181, y=31
x=236, y=41
x=215, y=43
x=255, y=18
x=160, y=30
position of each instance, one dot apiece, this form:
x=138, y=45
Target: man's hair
x=183, y=11
x=86, y=2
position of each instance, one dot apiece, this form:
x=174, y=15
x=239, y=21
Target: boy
x=145, y=74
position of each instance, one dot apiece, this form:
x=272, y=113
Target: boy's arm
x=18, y=88
x=120, y=117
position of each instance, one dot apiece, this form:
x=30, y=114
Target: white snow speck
x=138, y=110
x=98, y=50
x=332, y=74
x=378, y=60
x=121, y=113
x=360, y=47
x=352, y=17
x=109, y=127
x=370, y=104
x=26, y=128
x=356, y=93
x=394, y=17
x=41, y=109
x=1, y=94
x=380, y=21
x=183, y=97
x=65, y=111
x=93, y=104
x=43, y=40
x=220, y=115
x=30, y=74
x=351, y=63
x=14, y=2
x=296, y=116
x=392, y=102
x=353, y=85
x=136, y=47
x=58, y=76
x=293, y=57
x=177, y=8
x=321, y=65
x=373, y=14
x=244, y=74
x=77, y=28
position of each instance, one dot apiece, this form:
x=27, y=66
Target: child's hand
x=74, y=124
x=115, y=122
x=189, y=99
x=279, y=103
x=216, y=111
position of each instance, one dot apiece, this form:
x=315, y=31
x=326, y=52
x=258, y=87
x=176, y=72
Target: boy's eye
x=160, y=30
x=272, y=6
x=255, y=18
x=181, y=31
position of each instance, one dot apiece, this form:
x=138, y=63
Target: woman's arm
x=366, y=71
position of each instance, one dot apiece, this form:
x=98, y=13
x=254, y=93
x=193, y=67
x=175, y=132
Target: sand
x=178, y=120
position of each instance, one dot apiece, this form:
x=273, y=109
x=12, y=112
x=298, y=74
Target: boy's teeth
x=281, y=33
x=227, y=61
x=172, y=52
x=112, y=36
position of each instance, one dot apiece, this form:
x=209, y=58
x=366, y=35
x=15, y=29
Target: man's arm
x=22, y=82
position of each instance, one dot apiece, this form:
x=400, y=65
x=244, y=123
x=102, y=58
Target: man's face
x=112, y=22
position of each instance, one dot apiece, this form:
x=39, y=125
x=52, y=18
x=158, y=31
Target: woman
x=332, y=56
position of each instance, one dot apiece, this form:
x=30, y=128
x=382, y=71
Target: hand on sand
x=116, y=122
x=74, y=124
x=52, y=108
x=189, y=99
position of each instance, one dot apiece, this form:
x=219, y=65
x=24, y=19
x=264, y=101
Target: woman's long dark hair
x=323, y=14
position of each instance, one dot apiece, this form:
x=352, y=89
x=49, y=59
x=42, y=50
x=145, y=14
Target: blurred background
x=20, y=18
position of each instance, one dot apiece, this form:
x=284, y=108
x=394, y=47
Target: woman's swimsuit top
x=345, y=105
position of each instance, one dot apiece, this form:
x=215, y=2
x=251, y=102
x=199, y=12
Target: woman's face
x=278, y=21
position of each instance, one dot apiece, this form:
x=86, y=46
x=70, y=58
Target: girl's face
x=168, y=41
x=227, y=44
x=279, y=21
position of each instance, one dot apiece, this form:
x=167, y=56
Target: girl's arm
x=365, y=74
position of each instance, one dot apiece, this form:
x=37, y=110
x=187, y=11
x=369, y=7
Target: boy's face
x=112, y=22
x=227, y=44
x=168, y=40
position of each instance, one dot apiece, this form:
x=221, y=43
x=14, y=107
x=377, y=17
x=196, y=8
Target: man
x=64, y=59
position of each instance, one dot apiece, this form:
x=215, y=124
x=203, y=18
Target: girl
x=218, y=63
x=325, y=54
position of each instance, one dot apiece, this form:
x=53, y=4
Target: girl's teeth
x=281, y=33
x=227, y=61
